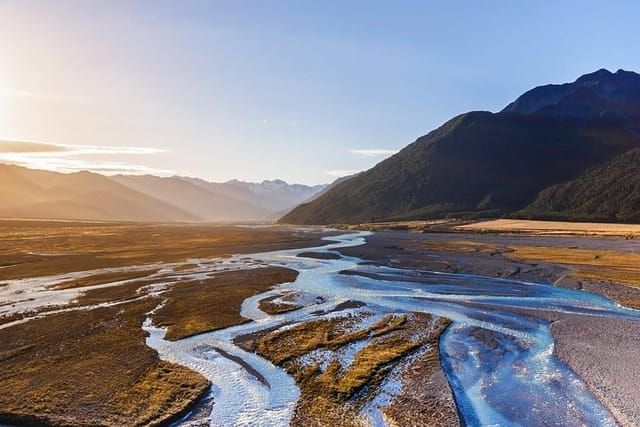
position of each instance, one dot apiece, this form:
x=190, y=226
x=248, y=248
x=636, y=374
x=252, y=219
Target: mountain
x=319, y=190
x=275, y=196
x=330, y=186
x=615, y=97
x=492, y=164
x=27, y=193
x=610, y=192
x=202, y=203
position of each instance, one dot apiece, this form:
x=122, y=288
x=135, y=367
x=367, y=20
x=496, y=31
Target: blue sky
x=298, y=90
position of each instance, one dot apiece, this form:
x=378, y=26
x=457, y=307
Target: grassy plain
x=206, y=305
x=553, y=227
x=39, y=248
x=90, y=365
x=590, y=264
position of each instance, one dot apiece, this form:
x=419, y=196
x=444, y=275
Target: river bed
x=499, y=362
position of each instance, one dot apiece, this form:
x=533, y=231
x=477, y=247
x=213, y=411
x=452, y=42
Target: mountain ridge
x=483, y=164
x=33, y=193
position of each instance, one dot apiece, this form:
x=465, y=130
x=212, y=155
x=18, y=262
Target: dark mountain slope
x=484, y=164
x=602, y=94
x=326, y=188
x=610, y=192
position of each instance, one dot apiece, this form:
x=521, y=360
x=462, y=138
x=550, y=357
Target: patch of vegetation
x=42, y=248
x=367, y=363
x=333, y=395
x=269, y=306
x=101, y=279
x=91, y=367
x=201, y=306
x=618, y=267
x=477, y=163
x=332, y=333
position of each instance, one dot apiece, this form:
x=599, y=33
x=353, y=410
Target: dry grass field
x=39, y=248
x=553, y=228
x=336, y=392
x=611, y=266
x=206, y=305
x=89, y=365
x=270, y=306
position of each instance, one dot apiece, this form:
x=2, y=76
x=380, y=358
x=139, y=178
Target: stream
x=497, y=355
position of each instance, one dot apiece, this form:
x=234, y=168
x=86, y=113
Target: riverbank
x=73, y=298
x=601, y=350
x=313, y=335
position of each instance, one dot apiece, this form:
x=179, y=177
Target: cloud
x=338, y=173
x=29, y=147
x=70, y=150
x=69, y=158
x=373, y=152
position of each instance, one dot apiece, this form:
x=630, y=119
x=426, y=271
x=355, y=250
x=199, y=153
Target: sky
x=304, y=91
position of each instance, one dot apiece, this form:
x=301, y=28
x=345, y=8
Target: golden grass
x=280, y=347
x=618, y=267
x=101, y=279
x=90, y=368
x=554, y=227
x=205, y=305
x=39, y=248
x=367, y=363
x=268, y=306
x=335, y=395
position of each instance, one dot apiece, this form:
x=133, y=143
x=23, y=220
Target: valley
x=272, y=325
x=319, y=214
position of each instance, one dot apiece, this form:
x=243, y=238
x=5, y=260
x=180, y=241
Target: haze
x=300, y=91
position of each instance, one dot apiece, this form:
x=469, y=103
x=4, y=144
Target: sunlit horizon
x=282, y=91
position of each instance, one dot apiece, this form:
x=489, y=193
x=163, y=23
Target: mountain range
x=561, y=151
x=29, y=193
x=558, y=151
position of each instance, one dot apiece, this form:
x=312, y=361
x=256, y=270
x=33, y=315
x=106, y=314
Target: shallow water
x=500, y=364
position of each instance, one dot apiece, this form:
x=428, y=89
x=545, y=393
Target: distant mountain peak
x=275, y=181
x=596, y=75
